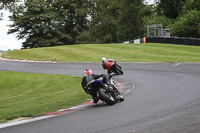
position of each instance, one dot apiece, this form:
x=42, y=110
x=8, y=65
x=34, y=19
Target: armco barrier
x=174, y=40
x=137, y=41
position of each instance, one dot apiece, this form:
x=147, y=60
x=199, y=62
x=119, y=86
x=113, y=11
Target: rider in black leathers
x=88, y=77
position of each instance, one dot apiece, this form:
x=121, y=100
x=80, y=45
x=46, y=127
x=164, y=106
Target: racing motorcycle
x=116, y=68
x=106, y=90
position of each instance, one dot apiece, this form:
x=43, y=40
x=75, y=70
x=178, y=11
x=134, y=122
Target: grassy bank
x=120, y=52
x=28, y=95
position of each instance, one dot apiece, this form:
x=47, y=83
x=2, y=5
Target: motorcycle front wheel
x=106, y=97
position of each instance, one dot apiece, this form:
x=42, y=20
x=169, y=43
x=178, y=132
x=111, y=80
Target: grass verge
x=121, y=52
x=28, y=94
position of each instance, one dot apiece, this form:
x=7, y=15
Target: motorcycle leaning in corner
x=111, y=66
x=106, y=89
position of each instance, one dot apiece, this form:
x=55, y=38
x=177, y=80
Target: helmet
x=87, y=72
x=103, y=59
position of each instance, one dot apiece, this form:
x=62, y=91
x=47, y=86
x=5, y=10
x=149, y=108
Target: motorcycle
x=106, y=90
x=116, y=68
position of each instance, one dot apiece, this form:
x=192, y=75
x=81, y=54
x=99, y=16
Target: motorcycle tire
x=119, y=70
x=106, y=97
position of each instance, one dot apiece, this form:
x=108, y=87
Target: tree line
x=44, y=23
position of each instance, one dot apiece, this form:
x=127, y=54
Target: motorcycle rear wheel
x=119, y=70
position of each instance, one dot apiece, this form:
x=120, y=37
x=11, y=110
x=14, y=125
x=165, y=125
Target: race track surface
x=166, y=99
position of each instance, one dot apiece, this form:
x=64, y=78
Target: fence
x=174, y=40
x=137, y=41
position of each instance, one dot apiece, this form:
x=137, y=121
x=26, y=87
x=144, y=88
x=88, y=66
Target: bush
x=83, y=38
x=108, y=38
x=187, y=25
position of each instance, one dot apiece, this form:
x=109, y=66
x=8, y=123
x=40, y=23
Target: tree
x=187, y=25
x=170, y=8
x=84, y=37
x=103, y=20
x=48, y=23
x=6, y=4
x=191, y=5
x=129, y=20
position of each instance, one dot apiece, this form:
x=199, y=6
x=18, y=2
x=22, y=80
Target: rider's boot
x=95, y=99
x=120, y=98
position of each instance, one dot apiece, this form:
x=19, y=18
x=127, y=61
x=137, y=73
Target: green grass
x=28, y=94
x=121, y=52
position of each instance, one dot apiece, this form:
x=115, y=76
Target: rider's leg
x=95, y=98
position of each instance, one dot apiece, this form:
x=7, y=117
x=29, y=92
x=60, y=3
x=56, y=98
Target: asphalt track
x=166, y=99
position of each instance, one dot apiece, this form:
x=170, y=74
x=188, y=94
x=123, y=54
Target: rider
x=107, y=64
x=87, y=78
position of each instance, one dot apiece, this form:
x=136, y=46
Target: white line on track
x=9, y=124
x=177, y=64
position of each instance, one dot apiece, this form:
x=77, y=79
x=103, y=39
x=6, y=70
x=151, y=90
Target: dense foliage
x=129, y=19
x=48, y=23
x=187, y=25
x=170, y=8
x=5, y=4
x=45, y=23
x=102, y=25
